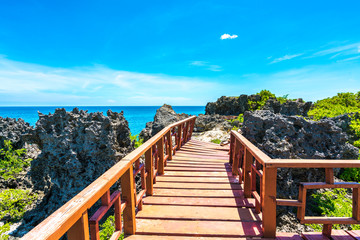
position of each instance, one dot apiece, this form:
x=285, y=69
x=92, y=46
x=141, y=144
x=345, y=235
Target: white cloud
x=343, y=50
x=228, y=36
x=32, y=84
x=207, y=66
x=286, y=57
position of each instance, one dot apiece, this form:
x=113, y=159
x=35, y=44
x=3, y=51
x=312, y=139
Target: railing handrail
x=256, y=163
x=59, y=222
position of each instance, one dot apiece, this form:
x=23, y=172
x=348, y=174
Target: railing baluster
x=247, y=169
x=127, y=190
x=160, y=147
x=150, y=172
x=169, y=146
x=80, y=230
x=236, y=159
x=179, y=136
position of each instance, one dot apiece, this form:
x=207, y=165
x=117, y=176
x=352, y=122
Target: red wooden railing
x=72, y=218
x=248, y=162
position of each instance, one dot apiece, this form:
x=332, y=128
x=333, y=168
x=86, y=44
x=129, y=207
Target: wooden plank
x=287, y=236
x=356, y=204
x=341, y=235
x=127, y=188
x=314, y=236
x=354, y=233
x=320, y=185
x=268, y=196
x=198, y=228
x=248, y=158
x=156, y=237
x=184, y=179
x=198, y=193
x=329, y=175
x=198, y=213
x=201, y=201
x=192, y=185
x=80, y=230
x=330, y=220
x=197, y=174
x=197, y=169
x=288, y=202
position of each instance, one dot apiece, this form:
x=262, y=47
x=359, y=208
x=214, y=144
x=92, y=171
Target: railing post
x=232, y=141
x=150, y=172
x=128, y=194
x=160, y=147
x=248, y=158
x=329, y=178
x=192, y=125
x=235, y=163
x=169, y=146
x=269, y=202
x=80, y=230
x=179, y=135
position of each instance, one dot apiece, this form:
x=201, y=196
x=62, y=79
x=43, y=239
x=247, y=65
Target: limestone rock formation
x=76, y=148
x=208, y=122
x=228, y=105
x=17, y=131
x=164, y=116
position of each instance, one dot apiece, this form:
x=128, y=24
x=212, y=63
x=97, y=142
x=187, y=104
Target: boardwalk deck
x=198, y=198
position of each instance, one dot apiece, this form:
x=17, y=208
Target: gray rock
x=228, y=105
x=298, y=107
x=208, y=122
x=17, y=131
x=164, y=116
x=76, y=148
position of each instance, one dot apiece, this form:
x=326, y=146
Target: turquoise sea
x=136, y=116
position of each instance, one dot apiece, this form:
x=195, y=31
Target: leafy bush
x=4, y=228
x=13, y=203
x=333, y=203
x=12, y=161
x=138, y=141
x=264, y=96
x=108, y=228
x=340, y=104
x=217, y=141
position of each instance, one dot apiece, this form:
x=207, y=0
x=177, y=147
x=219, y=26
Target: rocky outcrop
x=238, y=105
x=208, y=122
x=228, y=105
x=282, y=136
x=17, y=131
x=76, y=148
x=164, y=116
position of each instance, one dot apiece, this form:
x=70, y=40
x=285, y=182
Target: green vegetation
x=12, y=161
x=4, y=228
x=337, y=105
x=217, y=141
x=138, y=141
x=264, y=96
x=108, y=228
x=333, y=203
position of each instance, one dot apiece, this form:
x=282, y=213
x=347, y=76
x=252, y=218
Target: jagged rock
x=298, y=107
x=282, y=136
x=228, y=105
x=17, y=131
x=76, y=148
x=238, y=105
x=164, y=116
x=208, y=122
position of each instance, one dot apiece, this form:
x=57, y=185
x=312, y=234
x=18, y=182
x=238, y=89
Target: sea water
x=137, y=116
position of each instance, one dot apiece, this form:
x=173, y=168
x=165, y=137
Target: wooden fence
x=250, y=163
x=72, y=218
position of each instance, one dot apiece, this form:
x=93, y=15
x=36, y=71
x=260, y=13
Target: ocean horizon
x=137, y=116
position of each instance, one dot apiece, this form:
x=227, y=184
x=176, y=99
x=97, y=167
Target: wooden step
x=197, y=169
x=197, y=193
x=154, y=237
x=192, y=185
x=198, y=213
x=198, y=201
x=205, y=179
x=198, y=174
x=288, y=236
x=198, y=228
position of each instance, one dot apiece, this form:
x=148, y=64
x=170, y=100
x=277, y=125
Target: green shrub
x=283, y=99
x=12, y=161
x=108, y=228
x=333, y=203
x=217, y=141
x=13, y=203
x=138, y=141
x=331, y=107
x=264, y=96
x=4, y=228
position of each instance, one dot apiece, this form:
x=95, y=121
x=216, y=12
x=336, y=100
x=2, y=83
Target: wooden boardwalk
x=199, y=198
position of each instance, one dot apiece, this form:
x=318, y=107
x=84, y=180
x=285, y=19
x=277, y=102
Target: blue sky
x=175, y=52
